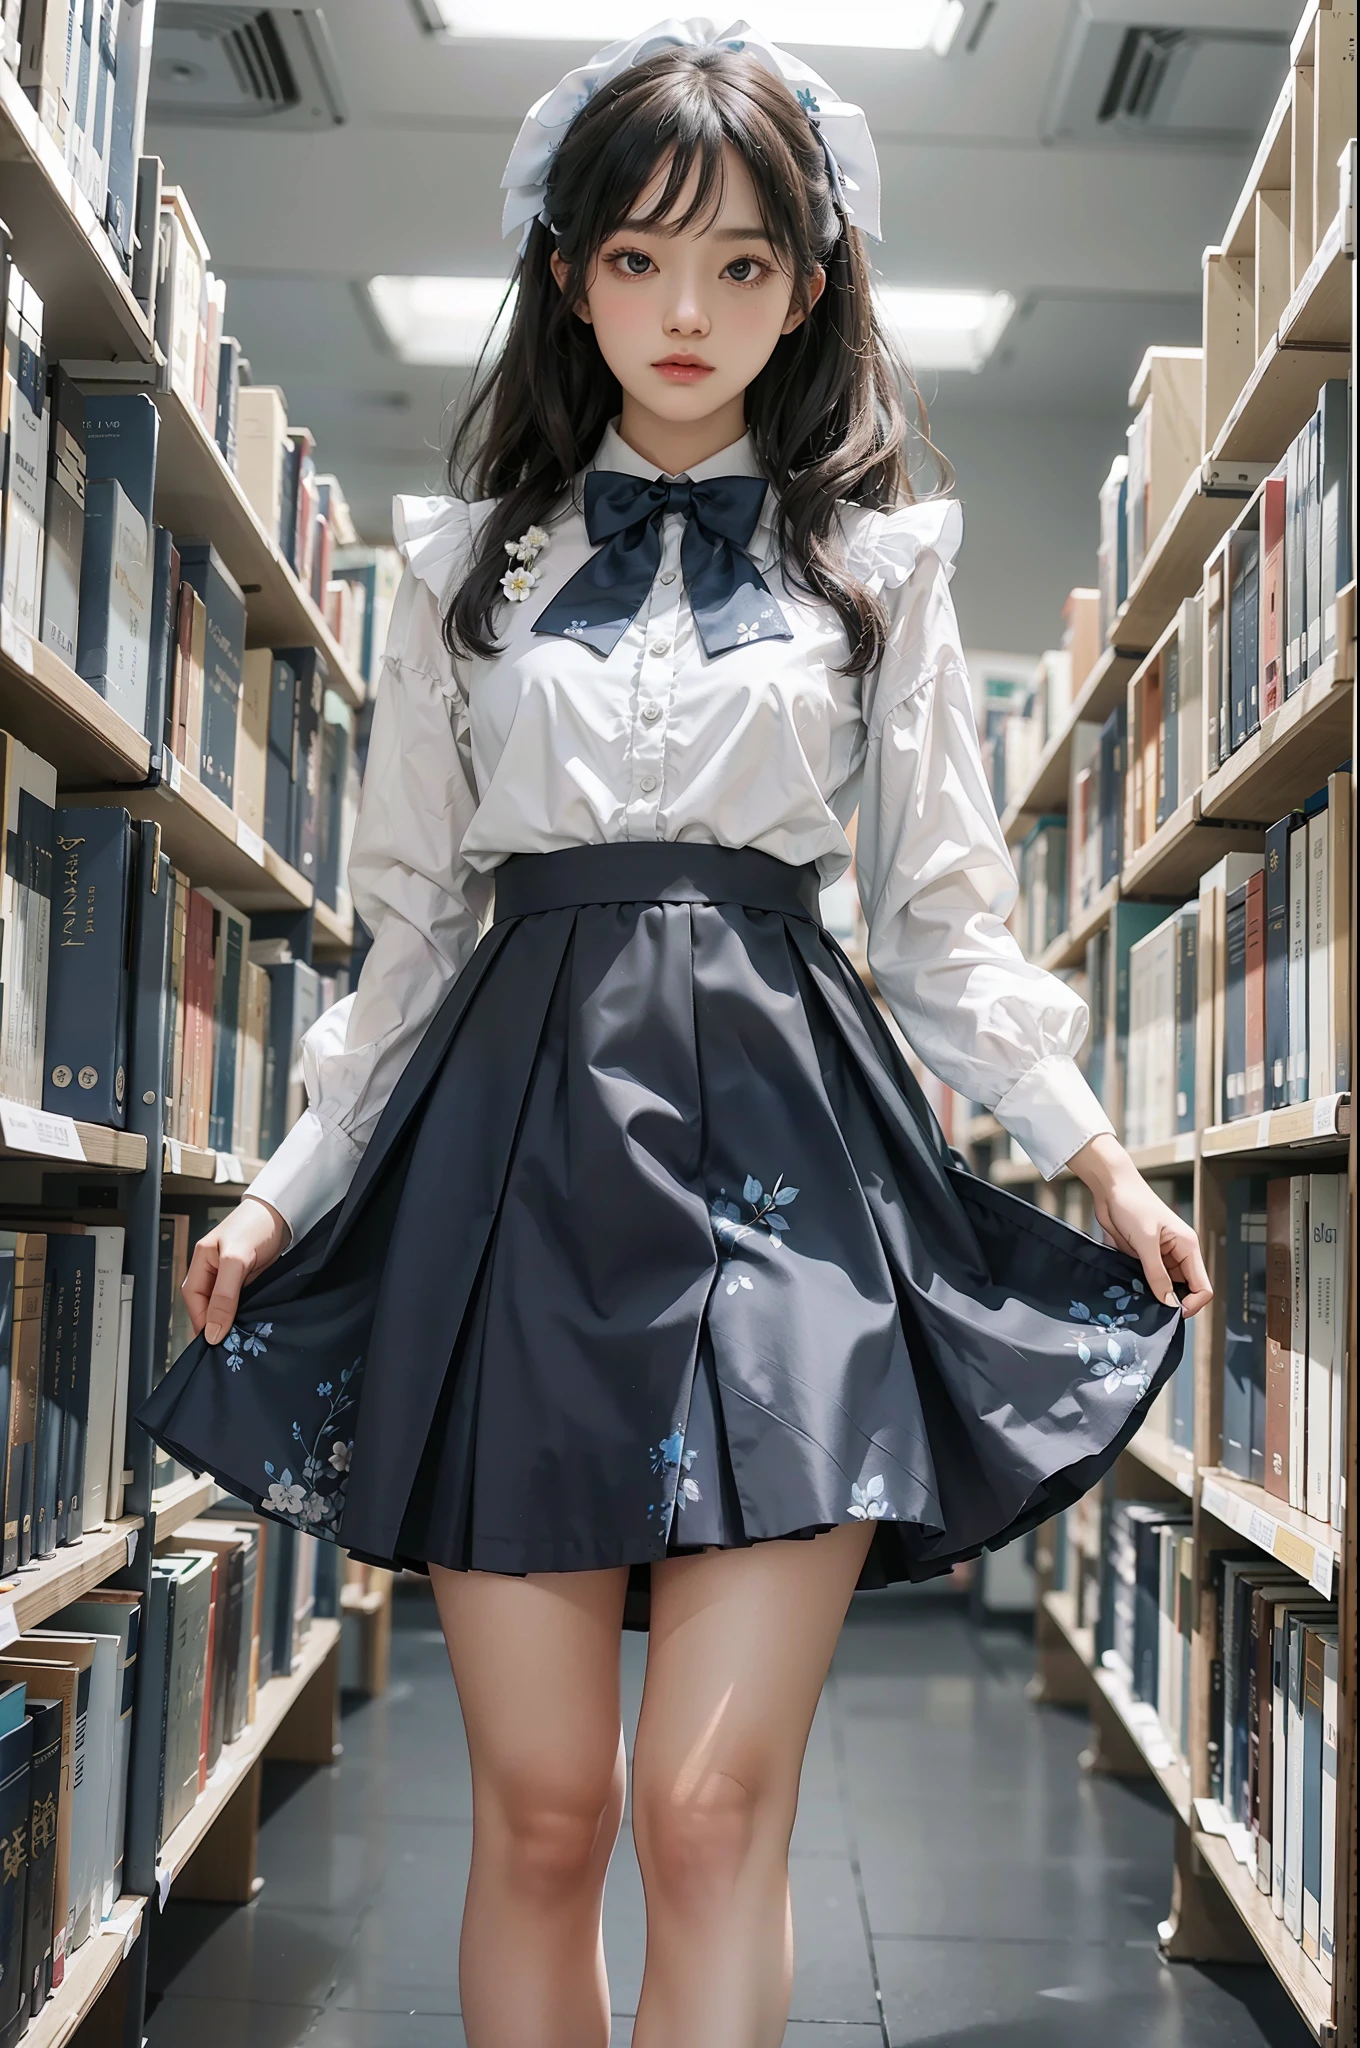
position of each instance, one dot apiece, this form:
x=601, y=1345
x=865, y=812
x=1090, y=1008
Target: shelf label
x=175, y=1154
x=40, y=1130
x=9, y=1625
x=226, y=1166
x=164, y=1879
x=172, y=769
x=1325, y=1117
x=1263, y=1530
x=250, y=842
x=15, y=643
x=132, y=1536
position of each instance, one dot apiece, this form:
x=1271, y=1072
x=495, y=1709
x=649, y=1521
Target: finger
x=225, y=1296
x=197, y=1285
x=1195, y=1274
x=1148, y=1251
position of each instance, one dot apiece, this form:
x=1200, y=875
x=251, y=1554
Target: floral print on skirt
x=658, y=1245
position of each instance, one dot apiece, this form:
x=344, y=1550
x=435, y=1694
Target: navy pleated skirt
x=658, y=1245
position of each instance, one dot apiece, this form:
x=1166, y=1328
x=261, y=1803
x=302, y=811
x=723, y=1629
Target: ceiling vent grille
x=244, y=65
x=1122, y=79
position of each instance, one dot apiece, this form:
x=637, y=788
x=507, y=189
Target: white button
x=660, y=647
x=648, y=783
x=651, y=712
x=668, y=575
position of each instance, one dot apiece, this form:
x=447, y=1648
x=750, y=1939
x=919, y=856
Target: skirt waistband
x=655, y=871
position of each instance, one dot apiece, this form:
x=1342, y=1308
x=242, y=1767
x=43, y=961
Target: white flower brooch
x=520, y=578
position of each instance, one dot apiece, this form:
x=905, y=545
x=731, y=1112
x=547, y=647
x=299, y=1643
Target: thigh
x=536, y=1664
x=739, y=1649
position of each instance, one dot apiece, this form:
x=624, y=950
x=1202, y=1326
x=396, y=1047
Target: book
x=237, y=1547
x=225, y=632
x=186, y=1682
x=135, y=20
x=23, y=497
x=231, y=943
x=1321, y=1051
x=1327, y=1803
x=1113, y=749
x=25, y=1268
x=1272, y=593
x=1276, y=968
x=1312, y=546
x=28, y=787
x=1296, y=1009
x=281, y=764
x=1326, y=1337
x=261, y=447
x=309, y=669
x=1311, y=1873
x=146, y=1781
x=110, y=1611
x=65, y=517
x=1298, y=1336
x=161, y=643
x=1235, y=1006
x=1244, y=1348
x=45, y=1719
x=1340, y=907
x=116, y=579
x=105, y=1362
x=97, y=1656
x=67, y=1681
x=89, y=964
x=1278, y=1357
x=64, y=1386
x=1254, y=992
x=1186, y=995
x=1334, y=486
x=252, y=738
x=1294, y=567
x=16, y=1768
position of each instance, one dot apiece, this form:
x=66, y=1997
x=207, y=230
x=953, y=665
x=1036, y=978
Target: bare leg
x=536, y=1663
x=740, y=1645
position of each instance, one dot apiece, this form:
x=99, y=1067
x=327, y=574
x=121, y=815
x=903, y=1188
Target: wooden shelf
x=114, y=1151
x=1277, y=399
x=1069, y=948
x=1304, y=1982
x=88, y=308
x=54, y=711
x=331, y=933
x=273, y=1702
x=1063, y=1607
x=198, y=495
x=1149, y=1738
x=205, y=838
x=1308, y=1547
x=1159, y=1455
x=1173, y=567
x=88, y=1973
x=52, y=1582
x=1180, y=1151
x=183, y=1502
x=1172, y=861
x=1047, y=787
x=1295, y=749
x=1319, y=314
x=194, y=1169
x=1324, y=1125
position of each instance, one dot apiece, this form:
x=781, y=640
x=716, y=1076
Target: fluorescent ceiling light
x=944, y=330
x=856, y=24
x=446, y=321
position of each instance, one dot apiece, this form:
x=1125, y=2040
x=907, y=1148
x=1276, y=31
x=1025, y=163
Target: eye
x=746, y=270
x=630, y=262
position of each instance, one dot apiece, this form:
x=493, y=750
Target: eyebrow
x=644, y=227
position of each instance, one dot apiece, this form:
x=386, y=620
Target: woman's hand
x=1141, y=1224
x=250, y=1239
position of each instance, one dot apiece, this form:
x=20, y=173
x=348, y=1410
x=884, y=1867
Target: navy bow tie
x=728, y=595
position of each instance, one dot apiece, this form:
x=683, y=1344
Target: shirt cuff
x=1052, y=1111
x=308, y=1173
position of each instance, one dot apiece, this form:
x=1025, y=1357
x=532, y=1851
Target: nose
x=686, y=316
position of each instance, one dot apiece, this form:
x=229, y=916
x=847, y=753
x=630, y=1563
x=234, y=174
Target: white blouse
x=549, y=745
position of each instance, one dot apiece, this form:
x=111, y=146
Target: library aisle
x=957, y=1881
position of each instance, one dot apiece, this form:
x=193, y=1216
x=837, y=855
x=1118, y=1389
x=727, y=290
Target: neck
x=676, y=445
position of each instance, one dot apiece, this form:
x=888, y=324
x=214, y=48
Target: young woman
x=630, y=1278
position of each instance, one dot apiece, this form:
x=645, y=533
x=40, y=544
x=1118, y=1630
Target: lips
x=684, y=369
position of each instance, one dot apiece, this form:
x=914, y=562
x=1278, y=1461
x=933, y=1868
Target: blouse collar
x=738, y=459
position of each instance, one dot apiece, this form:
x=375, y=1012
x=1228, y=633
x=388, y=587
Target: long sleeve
x=418, y=897
x=935, y=877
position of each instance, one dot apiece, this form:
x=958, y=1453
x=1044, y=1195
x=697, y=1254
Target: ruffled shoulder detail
x=435, y=536
x=884, y=547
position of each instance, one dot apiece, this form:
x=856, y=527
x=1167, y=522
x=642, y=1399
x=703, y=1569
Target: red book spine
x=1256, y=994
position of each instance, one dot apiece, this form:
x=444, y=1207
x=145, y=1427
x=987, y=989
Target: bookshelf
x=95, y=327
x=1278, y=323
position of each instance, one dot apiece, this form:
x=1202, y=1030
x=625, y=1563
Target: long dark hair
x=825, y=412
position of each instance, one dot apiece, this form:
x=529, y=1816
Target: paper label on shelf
x=15, y=643
x=1320, y=1577
x=1325, y=1115
x=1210, y=1817
x=172, y=769
x=132, y=1536
x=1262, y=1529
x=164, y=1879
x=250, y=842
x=226, y=1166
x=40, y=1130
x=9, y=1625
x=175, y=1152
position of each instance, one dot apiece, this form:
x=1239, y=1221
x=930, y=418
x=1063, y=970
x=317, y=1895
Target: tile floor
x=957, y=1882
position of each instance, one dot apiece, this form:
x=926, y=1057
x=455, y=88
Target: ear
x=798, y=314
x=561, y=272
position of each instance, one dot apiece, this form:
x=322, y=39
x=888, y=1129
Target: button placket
x=656, y=674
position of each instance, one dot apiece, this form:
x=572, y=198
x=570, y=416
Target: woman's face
x=687, y=319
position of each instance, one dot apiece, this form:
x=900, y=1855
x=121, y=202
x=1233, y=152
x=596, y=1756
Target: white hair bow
x=844, y=132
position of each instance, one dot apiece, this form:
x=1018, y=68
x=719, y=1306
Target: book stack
x=1041, y=909
x=362, y=591
x=1145, y=1612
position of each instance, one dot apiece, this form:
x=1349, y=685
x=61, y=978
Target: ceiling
x=1100, y=245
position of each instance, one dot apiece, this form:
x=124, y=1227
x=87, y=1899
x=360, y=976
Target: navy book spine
x=45, y=1719
x=98, y=548
x=1277, y=961
x=16, y=1789
x=1235, y=1007
x=121, y=434
x=280, y=772
x=203, y=569
x=1187, y=1011
x=1112, y=761
x=221, y=1122
x=1169, y=764
x=228, y=388
x=87, y=981
x=161, y=652
x=72, y=1388
x=1244, y=1348
x=146, y=1780
x=309, y=666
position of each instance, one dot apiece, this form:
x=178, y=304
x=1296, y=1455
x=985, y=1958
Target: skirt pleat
x=658, y=1246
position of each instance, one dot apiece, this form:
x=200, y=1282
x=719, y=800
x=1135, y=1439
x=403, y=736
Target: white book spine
x=118, y=1446
x=1319, y=956
x=1293, y=1818
x=103, y=1372
x=1324, y=1246
x=1279, y=1707
x=1298, y=1337
x=1327, y=1902
x=1297, y=1005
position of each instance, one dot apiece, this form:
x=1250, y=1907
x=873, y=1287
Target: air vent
x=1123, y=79
x=244, y=65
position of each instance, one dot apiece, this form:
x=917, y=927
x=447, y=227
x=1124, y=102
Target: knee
x=554, y=1849
x=695, y=1841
